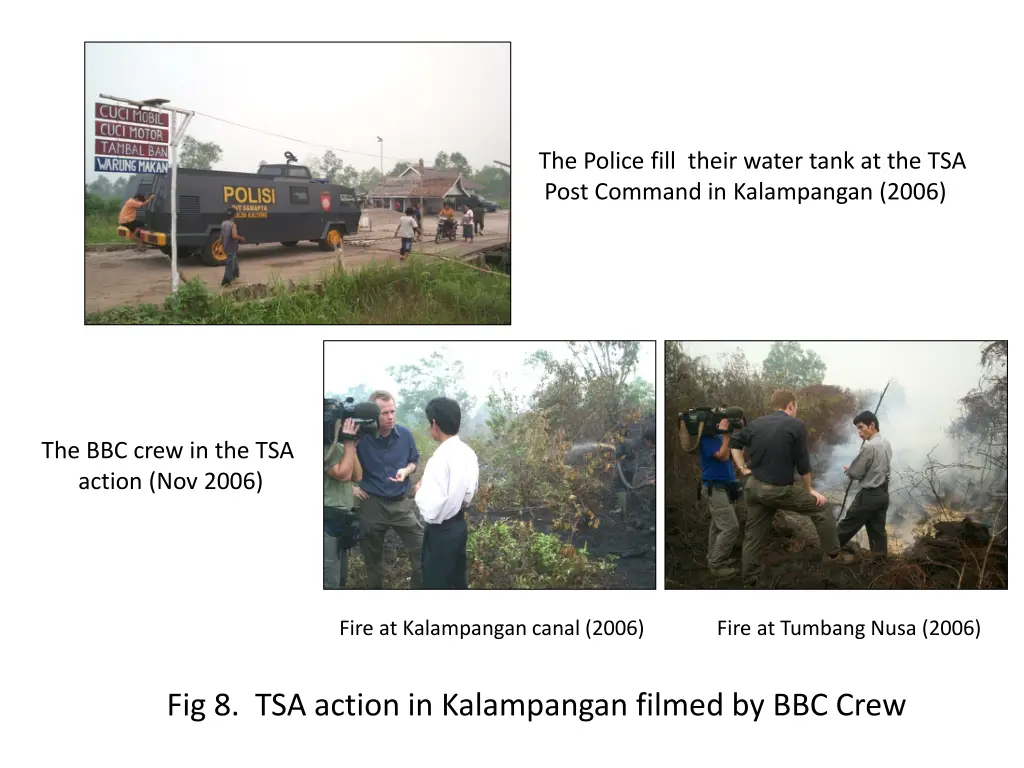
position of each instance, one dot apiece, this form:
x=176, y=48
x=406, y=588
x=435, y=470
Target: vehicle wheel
x=213, y=253
x=289, y=243
x=437, y=236
x=333, y=239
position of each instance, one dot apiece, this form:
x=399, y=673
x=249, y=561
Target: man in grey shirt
x=230, y=239
x=871, y=470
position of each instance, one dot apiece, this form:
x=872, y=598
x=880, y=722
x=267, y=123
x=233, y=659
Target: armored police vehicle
x=277, y=204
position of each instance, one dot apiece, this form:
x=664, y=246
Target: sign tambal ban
x=131, y=149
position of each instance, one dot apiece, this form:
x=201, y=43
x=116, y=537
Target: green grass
x=510, y=554
x=101, y=229
x=505, y=554
x=419, y=293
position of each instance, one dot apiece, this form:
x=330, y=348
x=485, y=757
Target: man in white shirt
x=443, y=495
x=406, y=229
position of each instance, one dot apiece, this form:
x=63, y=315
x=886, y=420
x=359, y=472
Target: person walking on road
x=407, y=229
x=480, y=211
x=230, y=239
x=419, y=221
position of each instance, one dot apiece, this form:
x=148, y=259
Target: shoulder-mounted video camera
x=365, y=415
x=703, y=420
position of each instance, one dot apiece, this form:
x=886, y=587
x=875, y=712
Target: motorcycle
x=446, y=227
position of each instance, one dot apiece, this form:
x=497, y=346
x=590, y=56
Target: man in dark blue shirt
x=388, y=459
x=719, y=481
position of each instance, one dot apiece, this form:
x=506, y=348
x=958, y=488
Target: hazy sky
x=934, y=375
x=945, y=370
x=347, y=364
x=343, y=95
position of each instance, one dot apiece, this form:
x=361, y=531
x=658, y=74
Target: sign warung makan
x=131, y=149
x=124, y=114
x=129, y=165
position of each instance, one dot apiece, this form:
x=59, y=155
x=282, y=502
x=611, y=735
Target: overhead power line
x=303, y=141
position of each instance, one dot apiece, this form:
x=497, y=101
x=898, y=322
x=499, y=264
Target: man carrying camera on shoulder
x=388, y=459
x=719, y=480
x=341, y=526
x=778, y=451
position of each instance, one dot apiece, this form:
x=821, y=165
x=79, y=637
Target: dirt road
x=119, y=278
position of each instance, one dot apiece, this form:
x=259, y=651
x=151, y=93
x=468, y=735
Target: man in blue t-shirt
x=719, y=479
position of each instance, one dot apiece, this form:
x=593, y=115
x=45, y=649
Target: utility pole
x=177, y=133
x=508, y=237
x=381, y=141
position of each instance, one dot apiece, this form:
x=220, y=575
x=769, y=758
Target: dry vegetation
x=542, y=518
x=947, y=522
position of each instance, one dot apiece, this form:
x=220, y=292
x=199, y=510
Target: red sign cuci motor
x=107, y=130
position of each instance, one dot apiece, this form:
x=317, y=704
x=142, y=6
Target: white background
x=114, y=600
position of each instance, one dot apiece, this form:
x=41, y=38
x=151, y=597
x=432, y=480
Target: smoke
x=578, y=451
x=934, y=477
x=915, y=424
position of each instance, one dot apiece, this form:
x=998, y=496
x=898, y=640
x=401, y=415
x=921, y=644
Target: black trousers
x=867, y=511
x=444, y=554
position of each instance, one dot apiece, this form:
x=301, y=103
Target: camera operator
x=341, y=470
x=719, y=480
x=871, y=469
x=778, y=449
x=388, y=459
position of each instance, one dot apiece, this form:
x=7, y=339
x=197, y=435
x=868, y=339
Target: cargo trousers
x=868, y=510
x=763, y=501
x=231, y=267
x=335, y=563
x=724, y=528
x=376, y=515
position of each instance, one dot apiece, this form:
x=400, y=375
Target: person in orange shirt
x=447, y=214
x=131, y=207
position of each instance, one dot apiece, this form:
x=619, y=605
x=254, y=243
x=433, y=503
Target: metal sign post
x=177, y=133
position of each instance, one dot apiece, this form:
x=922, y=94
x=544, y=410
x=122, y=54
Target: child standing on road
x=467, y=223
x=407, y=229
